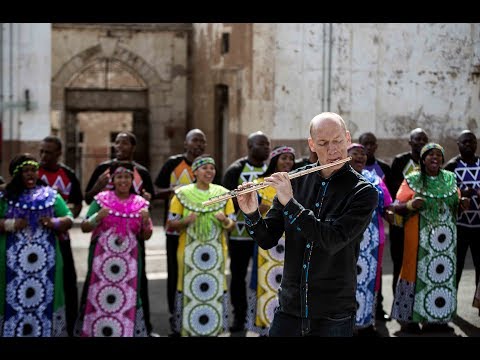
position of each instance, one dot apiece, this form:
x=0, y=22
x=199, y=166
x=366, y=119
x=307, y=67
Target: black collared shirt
x=324, y=225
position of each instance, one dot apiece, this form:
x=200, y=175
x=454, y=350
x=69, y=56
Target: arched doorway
x=107, y=97
x=97, y=96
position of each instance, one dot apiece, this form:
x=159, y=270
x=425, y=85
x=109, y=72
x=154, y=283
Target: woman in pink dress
x=111, y=304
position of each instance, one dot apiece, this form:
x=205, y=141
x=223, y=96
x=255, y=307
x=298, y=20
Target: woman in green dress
x=426, y=291
x=201, y=302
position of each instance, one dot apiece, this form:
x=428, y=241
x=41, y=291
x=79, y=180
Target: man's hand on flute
x=281, y=182
x=247, y=202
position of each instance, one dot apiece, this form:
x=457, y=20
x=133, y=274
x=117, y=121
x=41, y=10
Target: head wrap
x=355, y=145
x=121, y=170
x=282, y=150
x=25, y=163
x=202, y=161
x=429, y=147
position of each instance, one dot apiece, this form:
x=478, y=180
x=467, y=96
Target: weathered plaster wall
x=384, y=78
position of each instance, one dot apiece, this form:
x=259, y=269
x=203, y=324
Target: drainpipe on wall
x=324, y=52
x=10, y=88
x=330, y=46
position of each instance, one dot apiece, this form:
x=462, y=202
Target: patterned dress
x=426, y=291
x=111, y=305
x=31, y=283
x=369, y=264
x=266, y=277
x=201, y=302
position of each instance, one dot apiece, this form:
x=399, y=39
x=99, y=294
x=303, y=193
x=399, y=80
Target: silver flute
x=255, y=187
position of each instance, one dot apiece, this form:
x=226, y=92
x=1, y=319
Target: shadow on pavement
x=468, y=328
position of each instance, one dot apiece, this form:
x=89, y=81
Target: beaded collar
x=191, y=197
x=441, y=186
x=38, y=198
x=128, y=208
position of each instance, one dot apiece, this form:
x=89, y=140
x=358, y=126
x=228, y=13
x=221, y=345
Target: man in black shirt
x=324, y=215
x=240, y=244
x=125, y=143
x=466, y=167
x=382, y=169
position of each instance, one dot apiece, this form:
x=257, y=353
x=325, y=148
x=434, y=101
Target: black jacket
x=324, y=225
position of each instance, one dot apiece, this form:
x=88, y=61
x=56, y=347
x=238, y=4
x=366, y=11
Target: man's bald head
x=326, y=117
x=418, y=139
x=467, y=145
x=329, y=139
x=251, y=138
x=417, y=131
x=193, y=132
x=466, y=133
x=258, y=147
x=195, y=143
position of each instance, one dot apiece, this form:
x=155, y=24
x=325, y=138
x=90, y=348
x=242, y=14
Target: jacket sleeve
x=75, y=196
x=333, y=234
x=266, y=231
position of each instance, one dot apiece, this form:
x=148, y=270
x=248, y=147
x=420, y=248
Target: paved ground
x=466, y=324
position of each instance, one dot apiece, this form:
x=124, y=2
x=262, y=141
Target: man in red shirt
x=63, y=179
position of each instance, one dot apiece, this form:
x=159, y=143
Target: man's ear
x=349, y=137
x=311, y=145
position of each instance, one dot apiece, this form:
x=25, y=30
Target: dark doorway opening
x=221, y=126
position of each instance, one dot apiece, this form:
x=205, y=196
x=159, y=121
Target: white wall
x=385, y=78
x=26, y=65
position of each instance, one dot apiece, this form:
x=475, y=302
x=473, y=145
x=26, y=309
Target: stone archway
x=159, y=92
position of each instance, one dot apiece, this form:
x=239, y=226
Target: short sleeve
x=404, y=193
x=61, y=208
x=93, y=208
x=176, y=206
x=229, y=208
